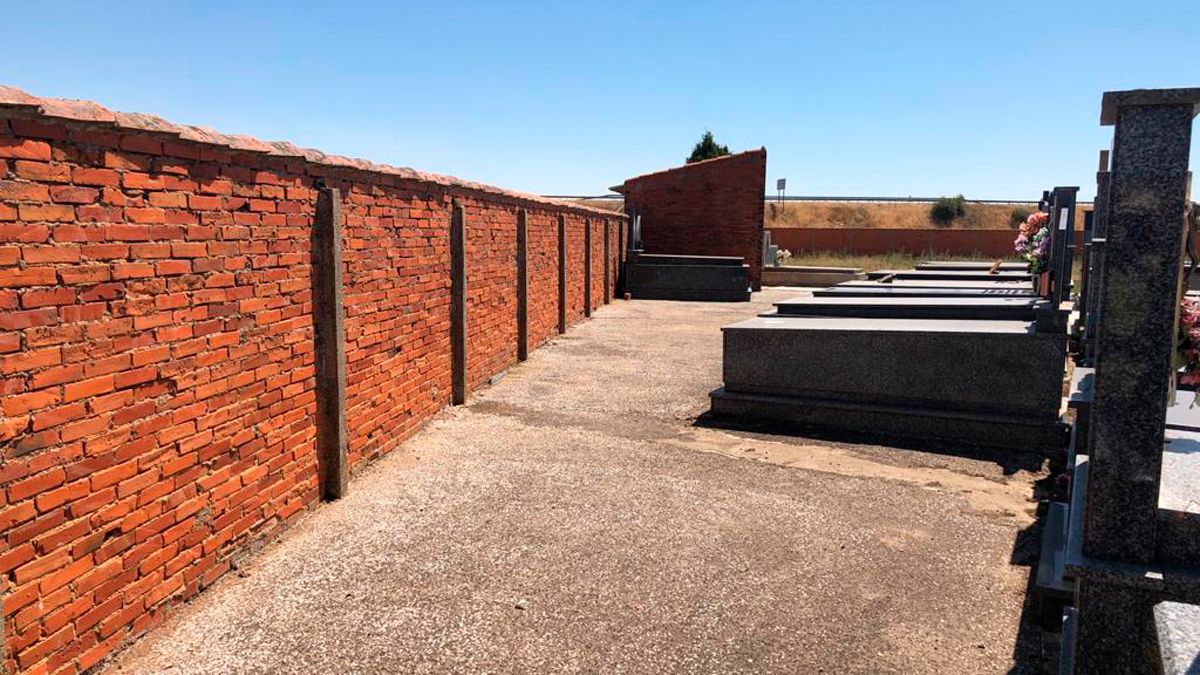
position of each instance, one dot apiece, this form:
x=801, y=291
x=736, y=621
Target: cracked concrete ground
x=575, y=518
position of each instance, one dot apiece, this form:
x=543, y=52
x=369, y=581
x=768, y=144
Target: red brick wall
x=542, y=262
x=714, y=207
x=866, y=241
x=156, y=356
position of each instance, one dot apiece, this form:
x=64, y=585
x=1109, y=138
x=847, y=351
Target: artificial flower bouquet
x=1033, y=242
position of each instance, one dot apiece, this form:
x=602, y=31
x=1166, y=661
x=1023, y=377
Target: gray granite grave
x=808, y=275
x=883, y=307
x=939, y=283
x=950, y=275
x=991, y=383
x=1177, y=626
x=904, y=291
x=971, y=266
x=687, y=277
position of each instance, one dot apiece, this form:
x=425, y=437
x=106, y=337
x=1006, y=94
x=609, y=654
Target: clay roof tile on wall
x=17, y=103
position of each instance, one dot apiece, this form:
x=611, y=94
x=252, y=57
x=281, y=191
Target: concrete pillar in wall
x=587, y=266
x=330, y=345
x=458, y=305
x=608, y=264
x=522, y=286
x=562, y=274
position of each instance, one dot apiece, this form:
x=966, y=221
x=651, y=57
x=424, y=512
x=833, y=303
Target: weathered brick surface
x=714, y=207
x=156, y=356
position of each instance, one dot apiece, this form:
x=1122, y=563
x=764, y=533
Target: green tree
x=707, y=148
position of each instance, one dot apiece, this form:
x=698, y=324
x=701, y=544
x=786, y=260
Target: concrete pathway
x=573, y=518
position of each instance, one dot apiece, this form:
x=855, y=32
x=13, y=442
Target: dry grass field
x=890, y=215
x=873, y=215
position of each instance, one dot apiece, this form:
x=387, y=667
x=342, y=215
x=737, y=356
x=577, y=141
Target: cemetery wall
x=871, y=241
x=157, y=349
x=713, y=207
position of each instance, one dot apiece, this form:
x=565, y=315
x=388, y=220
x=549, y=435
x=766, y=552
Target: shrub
x=946, y=209
x=1018, y=215
x=707, y=148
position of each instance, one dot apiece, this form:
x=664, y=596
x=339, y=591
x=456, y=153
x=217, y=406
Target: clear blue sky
x=990, y=99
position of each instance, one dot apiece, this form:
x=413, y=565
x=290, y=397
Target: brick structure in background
x=157, y=349
x=713, y=207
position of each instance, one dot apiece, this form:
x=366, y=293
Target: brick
x=24, y=233
x=52, y=499
x=127, y=270
x=46, y=212
x=17, y=191
x=45, y=297
x=84, y=274
x=189, y=250
x=99, y=214
x=47, y=480
x=29, y=319
x=56, y=417
x=172, y=267
x=69, y=194
x=139, y=143
x=17, y=148
x=170, y=200
x=61, y=253
x=57, y=375
x=75, y=391
x=19, y=404
x=30, y=360
x=145, y=215
x=30, y=276
x=43, y=172
x=95, y=177
x=127, y=233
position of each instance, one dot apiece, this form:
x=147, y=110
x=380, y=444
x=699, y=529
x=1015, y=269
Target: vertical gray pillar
x=1138, y=303
x=329, y=345
x=562, y=274
x=1096, y=261
x=1143, y=233
x=458, y=305
x=587, y=266
x=522, y=286
x=608, y=263
x=1062, y=218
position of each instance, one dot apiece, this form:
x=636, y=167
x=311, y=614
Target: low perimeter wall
x=987, y=243
x=158, y=360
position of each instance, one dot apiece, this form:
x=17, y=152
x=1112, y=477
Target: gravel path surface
x=574, y=518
